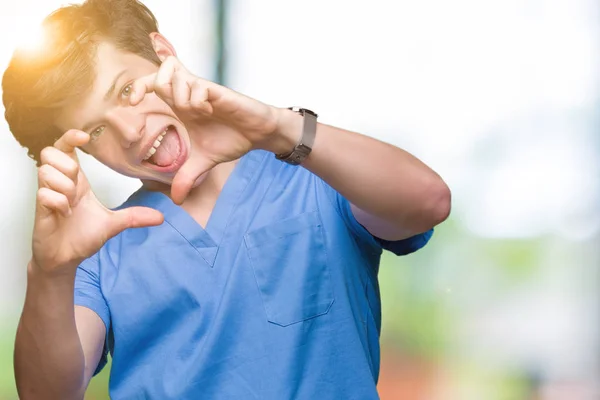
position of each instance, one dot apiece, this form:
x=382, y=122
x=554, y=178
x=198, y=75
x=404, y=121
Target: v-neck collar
x=207, y=240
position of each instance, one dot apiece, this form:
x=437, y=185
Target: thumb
x=187, y=176
x=134, y=217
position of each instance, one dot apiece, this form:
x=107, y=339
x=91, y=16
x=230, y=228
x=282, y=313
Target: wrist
x=287, y=132
x=48, y=297
x=64, y=272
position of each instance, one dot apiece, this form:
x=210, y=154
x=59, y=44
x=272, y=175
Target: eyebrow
x=108, y=95
x=111, y=89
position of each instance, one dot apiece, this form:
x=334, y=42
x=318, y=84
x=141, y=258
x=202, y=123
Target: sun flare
x=32, y=39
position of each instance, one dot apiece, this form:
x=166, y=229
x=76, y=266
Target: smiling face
x=146, y=141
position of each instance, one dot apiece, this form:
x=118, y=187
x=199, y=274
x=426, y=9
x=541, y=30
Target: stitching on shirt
x=237, y=200
x=260, y=202
x=187, y=240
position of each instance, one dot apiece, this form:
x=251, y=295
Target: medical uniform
x=276, y=299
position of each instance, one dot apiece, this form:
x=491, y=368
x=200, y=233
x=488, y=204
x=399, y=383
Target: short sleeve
x=89, y=294
x=408, y=245
x=343, y=208
x=398, y=247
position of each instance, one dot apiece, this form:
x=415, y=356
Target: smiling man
x=245, y=267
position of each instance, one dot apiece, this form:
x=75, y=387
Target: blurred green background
x=501, y=97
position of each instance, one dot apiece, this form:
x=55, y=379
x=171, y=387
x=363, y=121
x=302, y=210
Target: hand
x=223, y=124
x=70, y=223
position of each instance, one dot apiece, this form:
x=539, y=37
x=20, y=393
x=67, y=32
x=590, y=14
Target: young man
x=232, y=273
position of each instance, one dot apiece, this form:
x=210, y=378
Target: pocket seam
x=296, y=312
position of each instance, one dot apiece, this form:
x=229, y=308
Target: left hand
x=224, y=123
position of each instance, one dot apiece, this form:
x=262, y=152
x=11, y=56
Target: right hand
x=70, y=222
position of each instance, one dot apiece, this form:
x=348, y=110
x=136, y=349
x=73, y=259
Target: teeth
x=155, y=145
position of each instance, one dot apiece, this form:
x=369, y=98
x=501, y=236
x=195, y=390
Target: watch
x=304, y=146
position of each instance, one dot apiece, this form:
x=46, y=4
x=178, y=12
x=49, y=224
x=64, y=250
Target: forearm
x=49, y=361
x=380, y=179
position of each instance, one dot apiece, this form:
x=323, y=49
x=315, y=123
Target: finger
x=159, y=82
x=72, y=139
x=49, y=201
x=60, y=161
x=140, y=87
x=181, y=91
x=199, y=97
x=163, y=85
x=187, y=176
x=134, y=217
x=51, y=178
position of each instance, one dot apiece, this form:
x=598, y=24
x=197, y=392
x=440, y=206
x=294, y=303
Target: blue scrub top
x=276, y=299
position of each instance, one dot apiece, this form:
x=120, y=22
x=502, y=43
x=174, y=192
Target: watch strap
x=307, y=139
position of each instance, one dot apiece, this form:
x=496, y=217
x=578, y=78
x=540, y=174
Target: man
x=233, y=273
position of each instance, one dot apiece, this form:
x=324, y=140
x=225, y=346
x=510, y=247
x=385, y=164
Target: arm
x=393, y=194
x=58, y=345
x=92, y=334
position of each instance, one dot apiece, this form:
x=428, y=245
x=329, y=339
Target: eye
x=126, y=91
x=96, y=132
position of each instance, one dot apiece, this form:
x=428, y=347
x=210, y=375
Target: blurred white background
x=501, y=97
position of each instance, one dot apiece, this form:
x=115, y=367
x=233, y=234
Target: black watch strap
x=305, y=144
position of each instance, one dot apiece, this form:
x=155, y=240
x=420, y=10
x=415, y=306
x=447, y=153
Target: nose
x=127, y=123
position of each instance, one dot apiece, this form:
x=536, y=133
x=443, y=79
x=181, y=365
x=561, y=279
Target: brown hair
x=36, y=85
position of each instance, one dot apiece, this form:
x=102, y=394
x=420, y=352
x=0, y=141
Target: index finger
x=72, y=139
x=154, y=82
x=140, y=87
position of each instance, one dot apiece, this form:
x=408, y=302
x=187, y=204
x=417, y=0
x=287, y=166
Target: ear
x=162, y=46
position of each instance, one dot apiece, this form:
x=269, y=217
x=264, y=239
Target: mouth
x=167, y=153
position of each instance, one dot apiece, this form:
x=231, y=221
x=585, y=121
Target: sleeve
x=398, y=247
x=88, y=293
x=408, y=245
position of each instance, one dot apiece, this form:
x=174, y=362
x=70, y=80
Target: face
x=147, y=141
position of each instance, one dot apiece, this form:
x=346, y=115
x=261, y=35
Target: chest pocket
x=290, y=266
